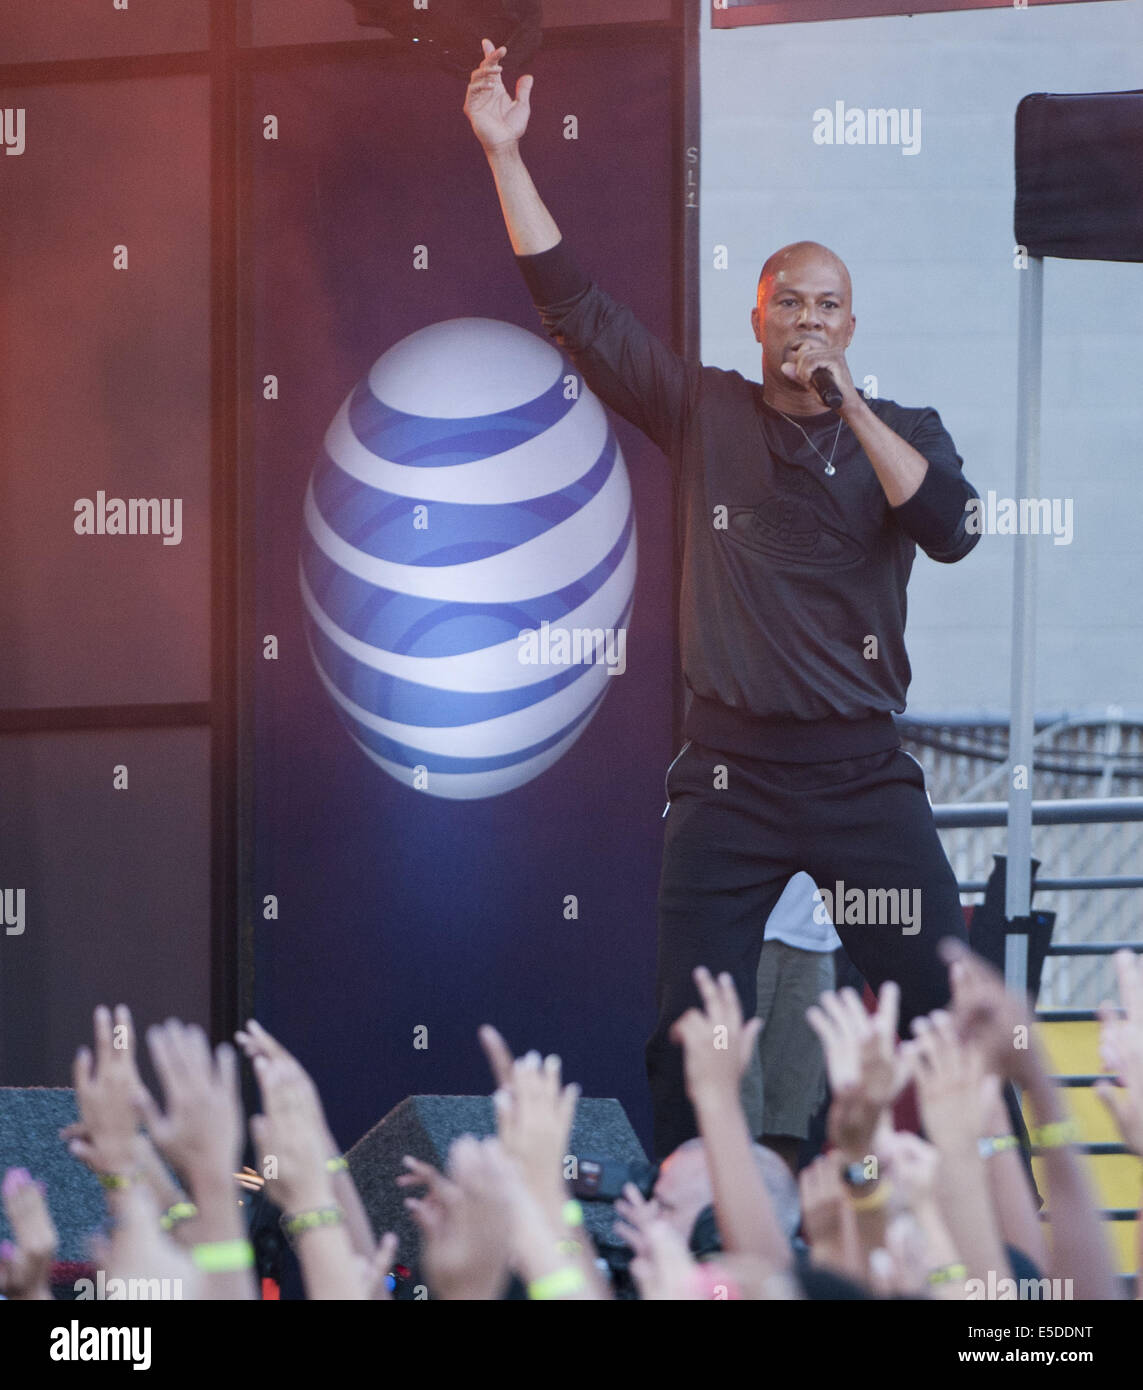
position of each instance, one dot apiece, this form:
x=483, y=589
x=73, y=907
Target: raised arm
x=717, y=1046
x=998, y=1020
x=498, y=122
x=621, y=360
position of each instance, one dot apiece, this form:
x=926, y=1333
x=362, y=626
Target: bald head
x=804, y=297
x=787, y=263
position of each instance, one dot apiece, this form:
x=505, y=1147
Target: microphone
x=821, y=379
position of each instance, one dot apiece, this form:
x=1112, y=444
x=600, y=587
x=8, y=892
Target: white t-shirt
x=792, y=920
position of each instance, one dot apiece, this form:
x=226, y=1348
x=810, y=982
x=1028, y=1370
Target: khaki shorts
x=785, y=1083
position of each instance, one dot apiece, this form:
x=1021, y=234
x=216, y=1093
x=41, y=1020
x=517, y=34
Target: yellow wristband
x=948, y=1274
x=223, y=1256
x=179, y=1211
x=1056, y=1135
x=875, y=1200
x=337, y=1165
x=116, y=1182
x=557, y=1284
x=573, y=1213
x=996, y=1144
x=310, y=1220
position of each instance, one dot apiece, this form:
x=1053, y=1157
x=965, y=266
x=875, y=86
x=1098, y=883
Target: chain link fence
x=1075, y=758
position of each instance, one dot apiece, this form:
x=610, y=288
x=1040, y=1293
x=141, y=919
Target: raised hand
x=291, y=1145
x=665, y=1269
x=717, y=1049
x=954, y=1088
x=923, y=1240
x=717, y=1045
x=534, y=1114
x=373, y=1270
x=913, y=1164
x=827, y=1218
x=867, y=1070
x=636, y=1214
x=256, y=1042
x=107, y=1092
x=466, y=1219
x=987, y=1014
x=200, y=1131
x=26, y=1262
x=1121, y=1047
x=139, y=1248
x=497, y=119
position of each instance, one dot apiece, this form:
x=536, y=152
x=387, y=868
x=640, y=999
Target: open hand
x=200, y=1131
x=497, y=119
x=466, y=1219
x=1121, y=1047
x=291, y=1146
x=534, y=1114
x=107, y=1090
x=866, y=1068
x=986, y=1013
x=717, y=1045
x=26, y=1262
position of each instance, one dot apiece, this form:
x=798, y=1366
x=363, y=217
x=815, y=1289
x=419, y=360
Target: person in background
x=784, y=1084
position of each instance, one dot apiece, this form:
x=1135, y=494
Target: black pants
x=734, y=838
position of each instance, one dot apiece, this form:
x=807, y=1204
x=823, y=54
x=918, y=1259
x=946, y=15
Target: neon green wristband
x=573, y=1213
x=948, y=1274
x=557, y=1284
x=223, y=1256
x=310, y=1220
x=336, y=1165
x=1056, y=1135
x=179, y=1211
x=116, y=1182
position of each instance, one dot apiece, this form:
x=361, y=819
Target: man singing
x=797, y=527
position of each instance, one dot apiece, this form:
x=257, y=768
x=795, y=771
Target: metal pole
x=1021, y=727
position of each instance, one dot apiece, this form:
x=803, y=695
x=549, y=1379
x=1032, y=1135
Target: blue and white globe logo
x=467, y=562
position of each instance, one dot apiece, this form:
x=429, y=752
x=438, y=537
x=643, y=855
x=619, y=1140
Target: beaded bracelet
x=555, y=1285
x=310, y=1220
x=179, y=1211
x=223, y=1256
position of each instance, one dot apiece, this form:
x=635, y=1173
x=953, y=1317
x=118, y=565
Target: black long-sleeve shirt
x=792, y=610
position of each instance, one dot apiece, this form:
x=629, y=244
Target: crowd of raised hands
x=884, y=1213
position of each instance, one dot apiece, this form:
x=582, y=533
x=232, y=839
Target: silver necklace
x=829, y=468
